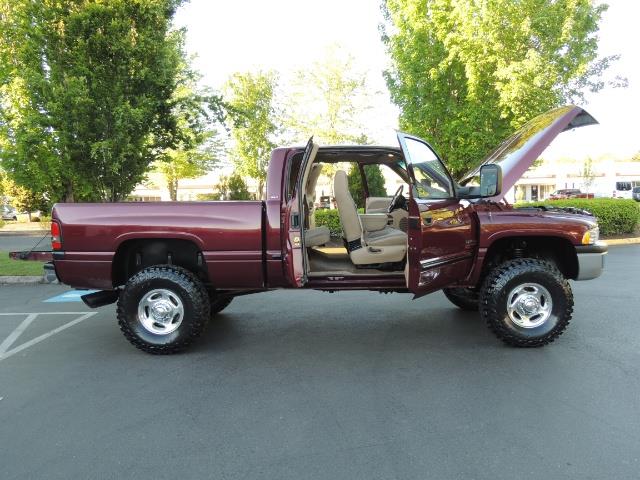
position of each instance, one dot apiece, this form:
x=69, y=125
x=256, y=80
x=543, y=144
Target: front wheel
x=163, y=309
x=526, y=302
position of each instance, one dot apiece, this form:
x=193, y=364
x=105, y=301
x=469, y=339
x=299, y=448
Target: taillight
x=56, y=239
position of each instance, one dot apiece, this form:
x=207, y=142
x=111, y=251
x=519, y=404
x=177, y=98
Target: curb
x=622, y=241
x=23, y=233
x=20, y=279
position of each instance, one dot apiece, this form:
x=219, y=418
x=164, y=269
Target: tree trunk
x=173, y=190
x=68, y=194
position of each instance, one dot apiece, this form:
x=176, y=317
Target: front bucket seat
x=385, y=246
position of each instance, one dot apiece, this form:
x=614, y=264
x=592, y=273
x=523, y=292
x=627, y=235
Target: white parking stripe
x=10, y=353
x=43, y=313
x=4, y=346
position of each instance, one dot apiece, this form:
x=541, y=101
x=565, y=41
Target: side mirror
x=490, y=180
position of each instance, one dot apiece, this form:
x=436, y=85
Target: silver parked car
x=635, y=194
x=7, y=212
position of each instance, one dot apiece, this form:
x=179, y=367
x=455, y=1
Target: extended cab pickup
x=170, y=266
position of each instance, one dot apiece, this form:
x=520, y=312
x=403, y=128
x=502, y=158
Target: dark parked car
x=635, y=193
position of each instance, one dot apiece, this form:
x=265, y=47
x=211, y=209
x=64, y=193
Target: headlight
x=591, y=236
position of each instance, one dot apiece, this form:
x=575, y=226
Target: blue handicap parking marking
x=70, y=296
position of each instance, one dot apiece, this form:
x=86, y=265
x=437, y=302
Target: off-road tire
x=219, y=303
x=505, y=277
x=180, y=281
x=464, y=298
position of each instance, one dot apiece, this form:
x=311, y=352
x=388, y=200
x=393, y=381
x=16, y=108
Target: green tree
x=375, y=183
x=588, y=175
x=23, y=198
x=252, y=114
x=86, y=88
x=328, y=100
x=466, y=74
x=232, y=187
x=197, y=145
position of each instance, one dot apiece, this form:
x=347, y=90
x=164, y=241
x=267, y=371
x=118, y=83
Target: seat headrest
x=340, y=181
x=312, y=181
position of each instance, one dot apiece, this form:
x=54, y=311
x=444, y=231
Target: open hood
x=516, y=154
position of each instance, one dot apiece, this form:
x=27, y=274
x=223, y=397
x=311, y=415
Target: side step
x=101, y=298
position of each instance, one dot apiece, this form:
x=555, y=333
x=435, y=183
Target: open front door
x=441, y=230
x=295, y=258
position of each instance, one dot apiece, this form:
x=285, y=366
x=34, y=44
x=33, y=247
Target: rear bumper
x=591, y=260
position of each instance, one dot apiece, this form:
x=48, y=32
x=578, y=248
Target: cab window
x=432, y=180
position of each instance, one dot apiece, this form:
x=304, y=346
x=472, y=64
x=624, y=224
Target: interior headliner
x=364, y=154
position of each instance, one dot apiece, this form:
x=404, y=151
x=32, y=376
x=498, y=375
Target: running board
x=101, y=298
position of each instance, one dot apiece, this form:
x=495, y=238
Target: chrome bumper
x=591, y=260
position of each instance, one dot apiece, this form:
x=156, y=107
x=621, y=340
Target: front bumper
x=591, y=260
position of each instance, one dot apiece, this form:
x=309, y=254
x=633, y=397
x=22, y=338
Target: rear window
x=636, y=189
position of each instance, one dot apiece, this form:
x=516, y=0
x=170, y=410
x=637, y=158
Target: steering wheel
x=398, y=201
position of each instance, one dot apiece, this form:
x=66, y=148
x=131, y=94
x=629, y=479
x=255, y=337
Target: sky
x=285, y=35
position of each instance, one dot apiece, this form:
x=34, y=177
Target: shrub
x=1, y=223
x=615, y=216
x=330, y=219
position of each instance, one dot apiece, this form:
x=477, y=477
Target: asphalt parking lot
x=9, y=243
x=310, y=385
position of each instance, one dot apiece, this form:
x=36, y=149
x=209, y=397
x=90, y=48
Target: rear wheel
x=163, y=309
x=465, y=298
x=526, y=302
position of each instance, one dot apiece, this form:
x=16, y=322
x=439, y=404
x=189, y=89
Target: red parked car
x=170, y=266
x=569, y=193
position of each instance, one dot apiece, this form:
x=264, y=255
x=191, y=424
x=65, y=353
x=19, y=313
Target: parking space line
x=4, y=346
x=42, y=313
x=10, y=353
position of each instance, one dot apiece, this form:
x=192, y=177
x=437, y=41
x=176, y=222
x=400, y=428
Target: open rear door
x=441, y=233
x=295, y=258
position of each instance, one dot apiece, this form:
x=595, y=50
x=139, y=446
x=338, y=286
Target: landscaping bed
x=615, y=216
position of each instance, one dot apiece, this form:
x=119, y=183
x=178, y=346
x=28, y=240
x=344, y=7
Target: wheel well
x=135, y=255
x=555, y=249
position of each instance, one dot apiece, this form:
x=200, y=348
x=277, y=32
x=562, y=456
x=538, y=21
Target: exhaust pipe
x=101, y=298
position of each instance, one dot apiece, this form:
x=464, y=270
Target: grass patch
x=9, y=266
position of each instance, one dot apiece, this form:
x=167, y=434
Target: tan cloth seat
x=314, y=237
x=310, y=193
x=386, y=236
x=382, y=246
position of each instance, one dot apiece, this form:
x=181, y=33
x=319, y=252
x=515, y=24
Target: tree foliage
x=86, y=93
x=375, y=183
x=232, y=187
x=250, y=101
x=197, y=146
x=22, y=198
x=465, y=73
x=328, y=100
x=588, y=174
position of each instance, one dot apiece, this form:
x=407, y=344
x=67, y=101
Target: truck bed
x=229, y=235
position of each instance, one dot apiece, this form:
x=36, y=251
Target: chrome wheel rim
x=529, y=305
x=160, y=311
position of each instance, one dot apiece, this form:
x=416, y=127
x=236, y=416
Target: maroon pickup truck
x=171, y=266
